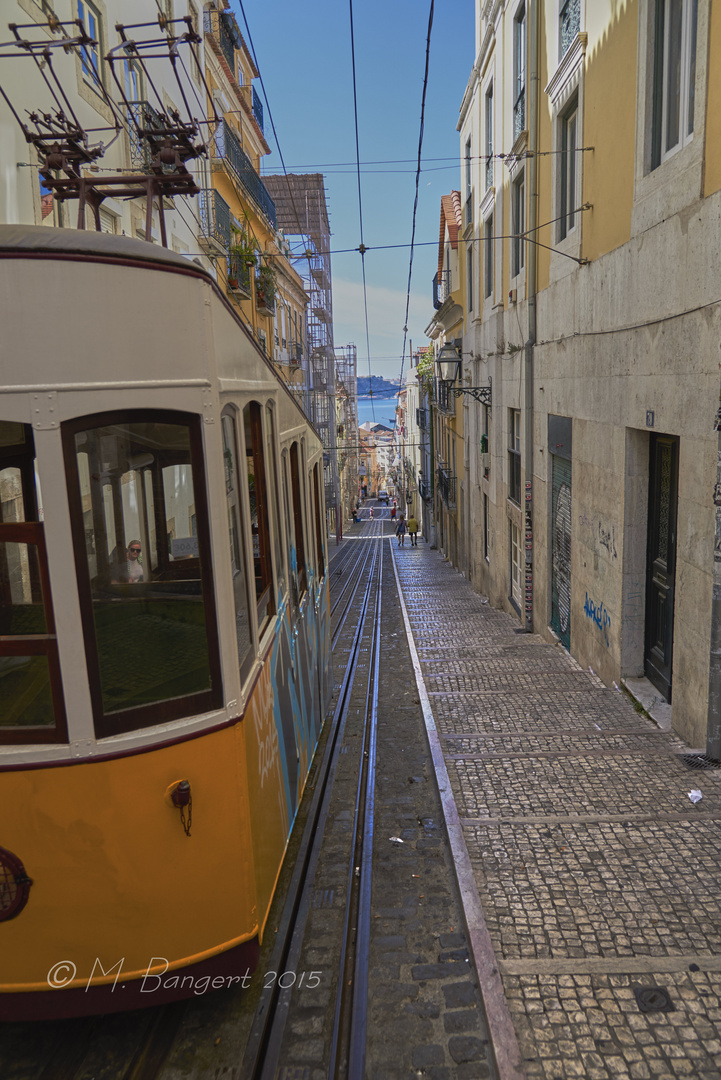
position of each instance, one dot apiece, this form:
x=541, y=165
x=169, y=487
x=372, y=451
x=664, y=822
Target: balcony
x=295, y=351
x=214, y=237
x=264, y=294
x=239, y=277
x=422, y=419
x=257, y=109
x=519, y=114
x=221, y=26
x=447, y=488
x=231, y=153
x=441, y=288
x=148, y=120
x=570, y=20
x=446, y=400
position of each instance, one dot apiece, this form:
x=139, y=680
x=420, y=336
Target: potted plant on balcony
x=241, y=257
x=265, y=287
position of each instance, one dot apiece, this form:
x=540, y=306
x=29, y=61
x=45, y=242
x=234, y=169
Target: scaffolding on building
x=346, y=371
x=302, y=214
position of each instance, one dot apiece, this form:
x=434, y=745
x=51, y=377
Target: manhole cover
x=699, y=761
x=653, y=999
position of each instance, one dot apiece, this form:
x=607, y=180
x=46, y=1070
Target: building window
x=514, y=456
x=568, y=171
x=674, y=77
x=90, y=54
x=569, y=24
x=469, y=277
x=468, y=214
x=489, y=137
x=518, y=211
x=138, y=510
x=488, y=256
x=516, y=571
x=519, y=72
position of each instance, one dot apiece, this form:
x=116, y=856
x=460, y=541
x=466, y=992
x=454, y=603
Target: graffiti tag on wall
x=598, y=613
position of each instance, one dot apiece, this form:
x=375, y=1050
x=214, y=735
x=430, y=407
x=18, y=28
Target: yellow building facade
x=591, y=194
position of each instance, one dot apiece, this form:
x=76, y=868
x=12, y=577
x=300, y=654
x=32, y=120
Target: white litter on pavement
x=695, y=795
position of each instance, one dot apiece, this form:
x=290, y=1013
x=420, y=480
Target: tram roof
x=45, y=240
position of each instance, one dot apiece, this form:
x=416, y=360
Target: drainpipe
x=531, y=299
x=713, y=729
x=432, y=471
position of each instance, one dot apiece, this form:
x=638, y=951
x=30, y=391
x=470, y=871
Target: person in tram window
x=131, y=570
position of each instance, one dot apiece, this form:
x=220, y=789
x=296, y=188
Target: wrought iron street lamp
x=448, y=365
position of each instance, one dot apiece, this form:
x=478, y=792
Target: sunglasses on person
x=136, y=550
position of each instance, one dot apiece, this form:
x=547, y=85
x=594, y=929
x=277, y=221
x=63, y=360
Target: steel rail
x=349, y=1030
x=260, y=1060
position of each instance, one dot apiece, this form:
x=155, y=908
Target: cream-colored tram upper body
x=164, y=628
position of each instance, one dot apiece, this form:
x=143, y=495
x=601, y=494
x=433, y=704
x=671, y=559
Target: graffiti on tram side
x=598, y=613
x=266, y=732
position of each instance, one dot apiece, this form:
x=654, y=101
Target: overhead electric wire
x=361, y=249
x=418, y=175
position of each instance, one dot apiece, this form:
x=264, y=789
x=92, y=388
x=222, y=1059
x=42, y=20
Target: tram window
x=298, y=518
x=139, y=518
x=273, y=483
x=31, y=699
x=318, y=530
x=259, y=523
x=291, y=534
x=237, y=560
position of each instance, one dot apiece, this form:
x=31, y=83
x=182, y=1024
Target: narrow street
x=596, y=873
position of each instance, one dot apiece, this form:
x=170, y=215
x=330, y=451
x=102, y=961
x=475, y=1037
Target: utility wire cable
x=362, y=248
x=418, y=176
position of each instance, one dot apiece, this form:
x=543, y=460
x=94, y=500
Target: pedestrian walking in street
x=401, y=531
x=371, y=513
x=413, y=531
x=393, y=512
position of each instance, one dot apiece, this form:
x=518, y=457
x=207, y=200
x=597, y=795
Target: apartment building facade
x=591, y=191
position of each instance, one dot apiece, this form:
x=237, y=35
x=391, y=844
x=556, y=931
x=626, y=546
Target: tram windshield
x=134, y=493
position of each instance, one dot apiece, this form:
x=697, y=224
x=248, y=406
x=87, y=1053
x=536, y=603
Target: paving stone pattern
x=596, y=873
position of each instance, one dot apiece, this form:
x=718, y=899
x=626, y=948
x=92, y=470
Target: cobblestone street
x=596, y=874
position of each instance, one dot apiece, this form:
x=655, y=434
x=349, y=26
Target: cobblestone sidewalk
x=598, y=877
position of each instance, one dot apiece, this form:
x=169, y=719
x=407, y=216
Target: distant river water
x=378, y=411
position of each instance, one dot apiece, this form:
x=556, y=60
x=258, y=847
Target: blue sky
x=304, y=55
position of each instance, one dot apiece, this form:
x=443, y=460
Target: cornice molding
x=566, y=71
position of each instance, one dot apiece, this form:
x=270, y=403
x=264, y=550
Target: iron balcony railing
x=295, y=349
x=219, y=24
x=447, y=488
x=446, y=400
x=264, y=295
x=257, y=109
x=239, y=274
x=519, y=114
x=229, y=150
x=142, y=118
x=214, y=219
x=422, y=419
x=570, y=20
x=441, y=288
x=423, y=489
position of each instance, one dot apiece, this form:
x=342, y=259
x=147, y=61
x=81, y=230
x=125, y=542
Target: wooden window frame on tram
x=176, y=708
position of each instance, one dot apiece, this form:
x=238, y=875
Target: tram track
x=265, y=1043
